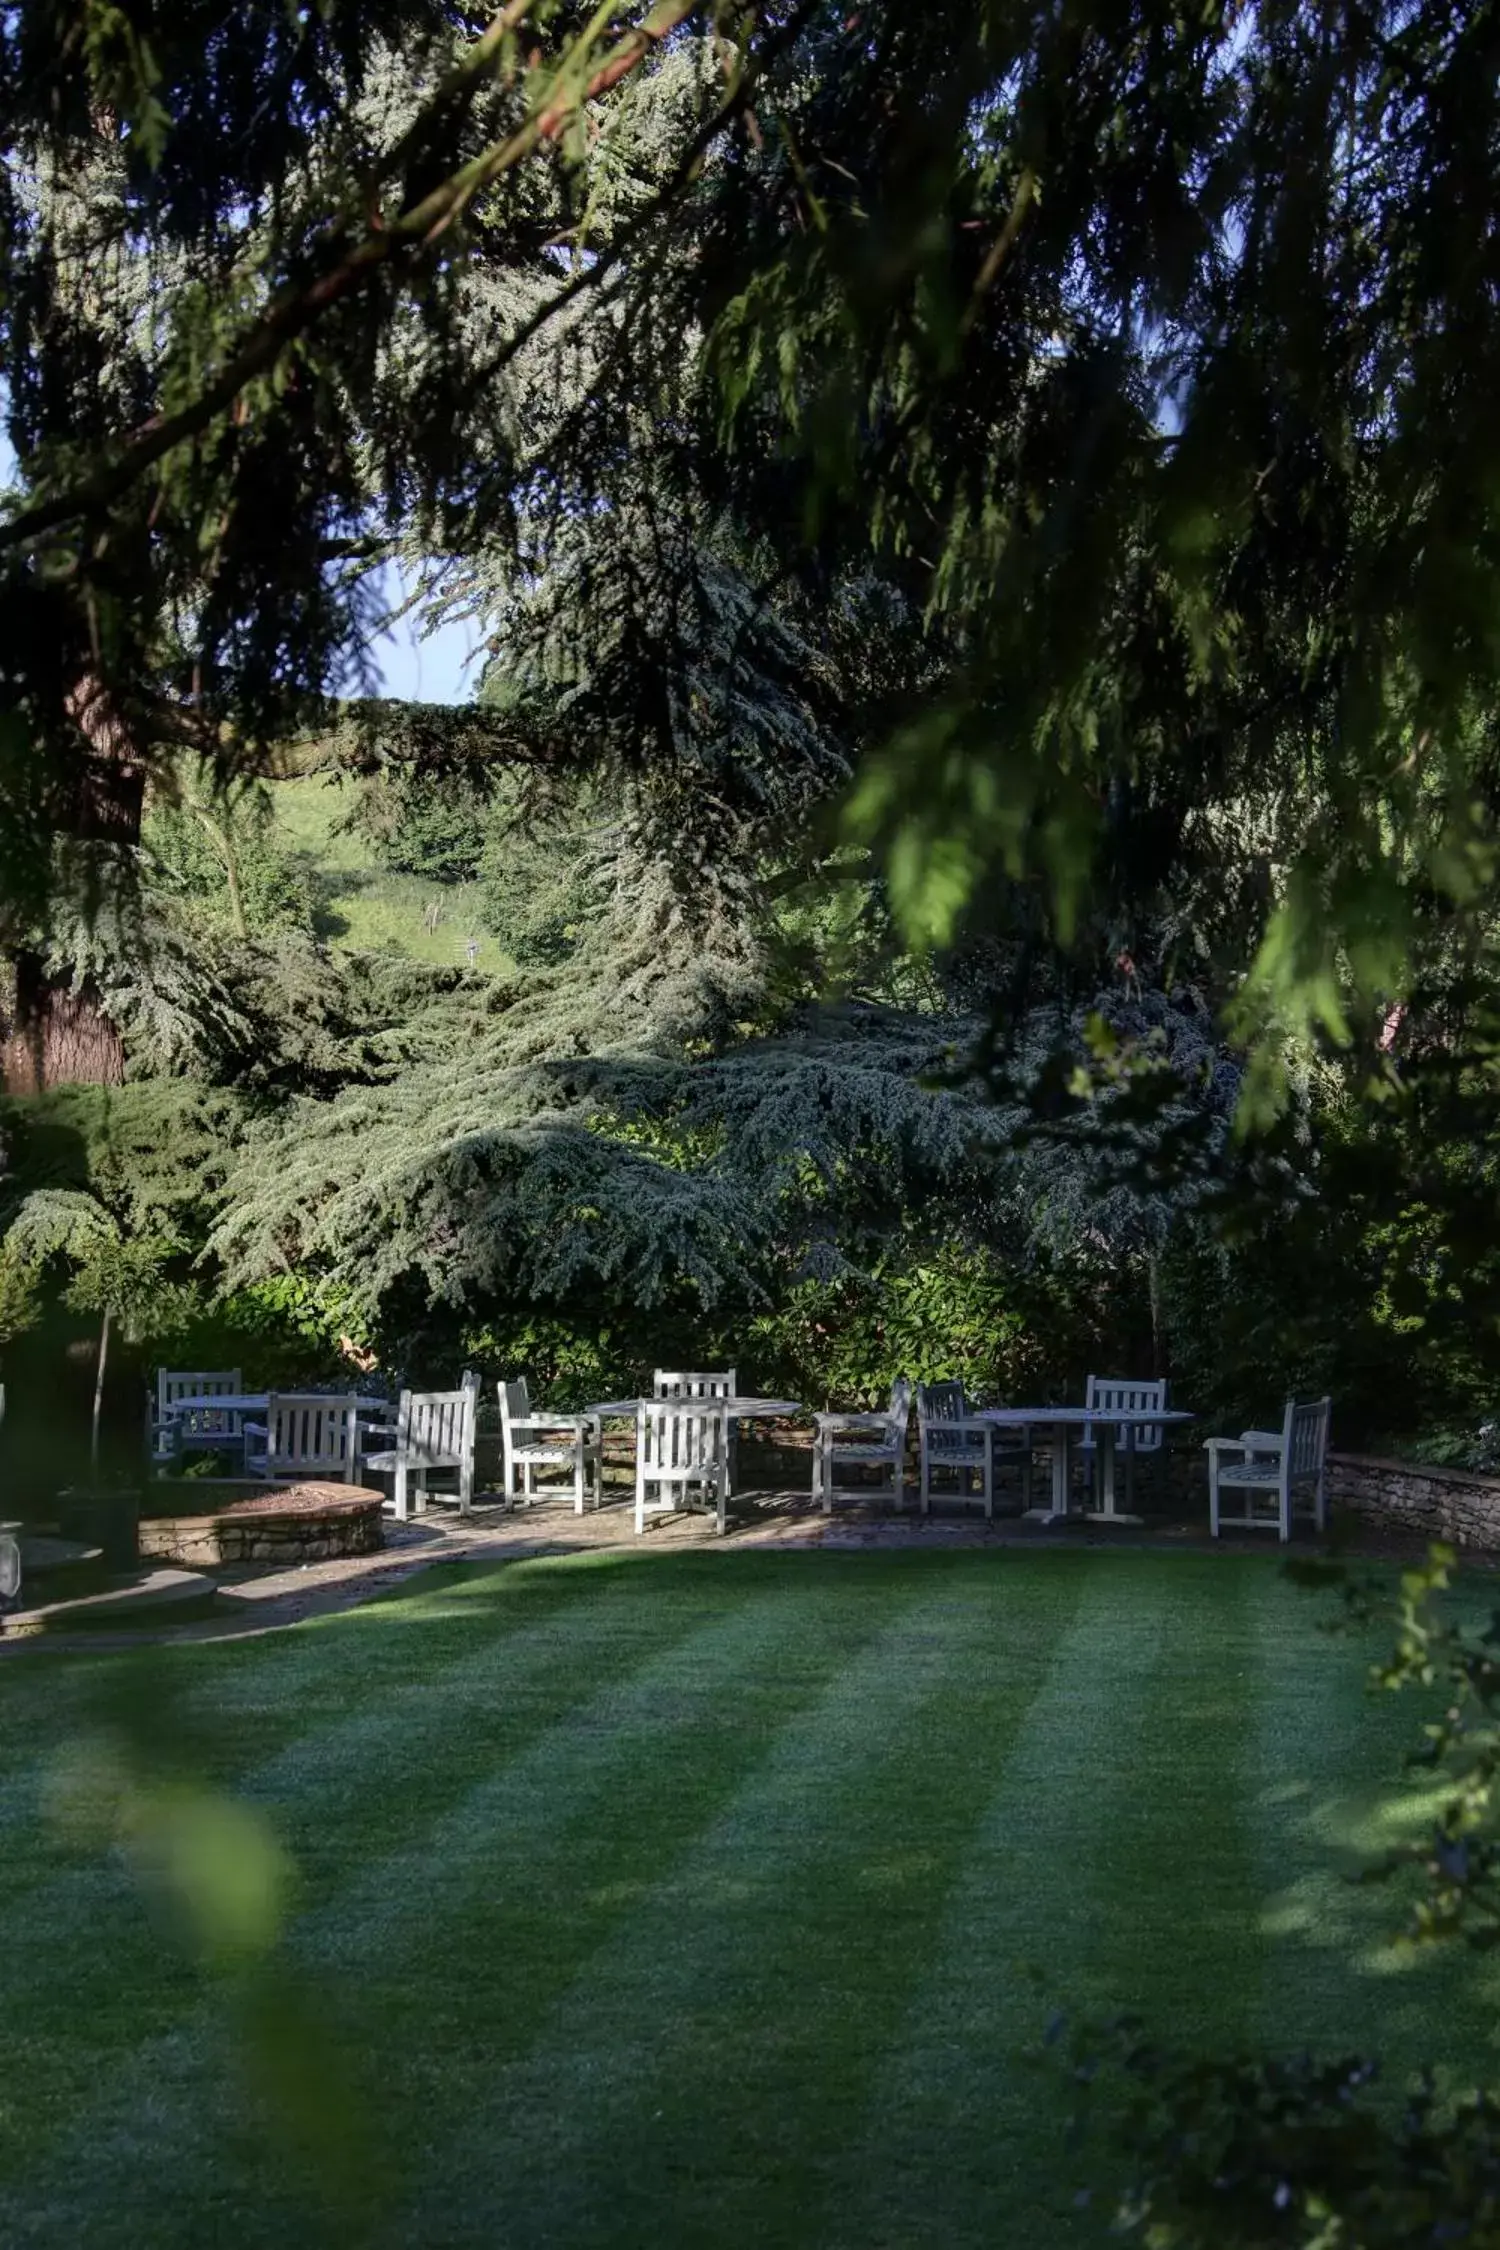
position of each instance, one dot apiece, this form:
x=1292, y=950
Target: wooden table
x=1060, y=1422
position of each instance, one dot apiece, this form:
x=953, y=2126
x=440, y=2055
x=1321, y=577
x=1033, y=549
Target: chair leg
x=1284, y=1510
x=578, y=1482
x=398, y=1492
x=723, y=1484
x=640, y=1498
x=466, y=1486
x=1213, y=1498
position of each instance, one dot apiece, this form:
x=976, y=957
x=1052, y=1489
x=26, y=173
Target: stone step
x=146, y=1598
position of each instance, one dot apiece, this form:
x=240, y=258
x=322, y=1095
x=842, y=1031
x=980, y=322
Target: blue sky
x=439, y=669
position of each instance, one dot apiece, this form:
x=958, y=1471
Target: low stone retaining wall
x=289, y=1523
x=1451, y=1504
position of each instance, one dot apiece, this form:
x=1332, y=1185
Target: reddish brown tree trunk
x=58, y=1034
x=58, y=1037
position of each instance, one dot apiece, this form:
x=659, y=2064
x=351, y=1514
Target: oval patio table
x=1060, y=1422
x=750, y=1409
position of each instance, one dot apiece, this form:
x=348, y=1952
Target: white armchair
x=860, y=1441
x=1269, y=1467
x=533, y=1440
x=434, y=1430
x=952, y=1442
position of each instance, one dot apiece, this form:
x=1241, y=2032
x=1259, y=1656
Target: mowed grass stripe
x=1116, y=1808
x=755, y=1976
x=95, y=1972
x=410, y=1916
x=1331, y=1791
x=244, y=1718
x=704, y=2071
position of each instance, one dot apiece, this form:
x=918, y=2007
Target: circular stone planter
x=284, y=1523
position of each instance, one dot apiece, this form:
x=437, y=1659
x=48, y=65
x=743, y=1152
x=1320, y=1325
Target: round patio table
x=1059, y=1422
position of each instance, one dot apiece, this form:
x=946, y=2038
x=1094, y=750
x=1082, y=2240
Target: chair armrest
x=1261, y=1441
x=1225, y=1445
x=851, y=1421
x=573, y=1424
x=965, y=1426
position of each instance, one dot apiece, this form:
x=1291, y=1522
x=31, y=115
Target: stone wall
x=1450, y=1504
x=295, y=1523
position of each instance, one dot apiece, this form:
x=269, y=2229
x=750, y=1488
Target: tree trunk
x=98, y=1395
x=59, y=1035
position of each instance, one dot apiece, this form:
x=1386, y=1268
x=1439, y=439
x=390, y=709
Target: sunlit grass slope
x=699, y=1899
x=364, y=907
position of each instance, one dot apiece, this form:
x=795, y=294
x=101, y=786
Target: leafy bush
x=424, y=824
x=935, y=1311
x=223, y=860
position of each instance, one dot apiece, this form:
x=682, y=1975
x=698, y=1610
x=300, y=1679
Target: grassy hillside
x=361, y=906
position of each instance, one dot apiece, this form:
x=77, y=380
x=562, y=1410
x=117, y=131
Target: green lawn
x=693, y=1898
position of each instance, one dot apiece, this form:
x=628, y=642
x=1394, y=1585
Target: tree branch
x=299, y=310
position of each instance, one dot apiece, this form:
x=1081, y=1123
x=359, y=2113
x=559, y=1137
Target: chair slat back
x=173, y=1383
x=438, y=1425
x=721, y=1384
x=898, y=1414
x=678, y=1435
x=311, y=1431
x=1306, y=1436
x=515, y=1405
x=1129, y=1397
x=937, y=1404
x=940, y=1402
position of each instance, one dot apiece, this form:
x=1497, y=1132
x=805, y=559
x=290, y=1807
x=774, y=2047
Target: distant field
x=364, y=909
x=686, y=1900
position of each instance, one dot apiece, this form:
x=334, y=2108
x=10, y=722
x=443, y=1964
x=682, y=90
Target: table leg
x=1059, y=1507
x=1104, y=1438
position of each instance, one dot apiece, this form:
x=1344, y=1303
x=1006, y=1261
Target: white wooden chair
x=721, y=1383
x=310, y=1434
x=434, y=1431
x=863, y=1441
x=1132, y=1439
x=200, y=1425
x=681, y=1445
x=952, y=1442
x=532, y=1440
x=1270, y=1468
